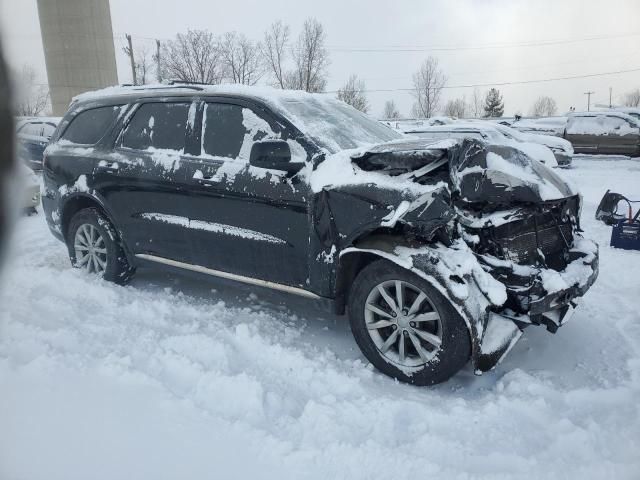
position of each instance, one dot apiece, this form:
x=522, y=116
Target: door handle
x=108, y=166
x=213, y=179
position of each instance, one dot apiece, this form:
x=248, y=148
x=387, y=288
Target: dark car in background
x=33, y=135
x=440, y=251
x=607, y=132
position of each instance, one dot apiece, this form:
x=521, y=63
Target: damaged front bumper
x=542, y=296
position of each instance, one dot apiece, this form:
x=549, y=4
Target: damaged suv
x=440, y=252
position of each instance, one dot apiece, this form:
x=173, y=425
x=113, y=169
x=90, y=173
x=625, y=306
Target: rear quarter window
x=89, y=126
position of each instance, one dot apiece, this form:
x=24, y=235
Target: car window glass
x=31, y=129
x=89, y=126
x=157, y=125
x=229, y=131
x=47, y=130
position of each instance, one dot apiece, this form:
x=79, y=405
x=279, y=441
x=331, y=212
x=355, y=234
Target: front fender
x=457, y=275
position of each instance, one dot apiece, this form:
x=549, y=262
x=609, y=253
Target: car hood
x=478, y=172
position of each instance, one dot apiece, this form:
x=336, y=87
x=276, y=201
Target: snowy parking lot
x=174, y=377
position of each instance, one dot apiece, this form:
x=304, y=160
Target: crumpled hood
x=479, y=172
x=499, y=174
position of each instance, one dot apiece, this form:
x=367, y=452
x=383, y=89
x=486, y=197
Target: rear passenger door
x=143, y=180
x=243, y=219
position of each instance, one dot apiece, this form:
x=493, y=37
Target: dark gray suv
x=439, y=251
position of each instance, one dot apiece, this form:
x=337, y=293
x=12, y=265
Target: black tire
x=118, y=269
x=455, y=349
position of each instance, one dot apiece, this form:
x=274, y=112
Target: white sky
x=381, y=24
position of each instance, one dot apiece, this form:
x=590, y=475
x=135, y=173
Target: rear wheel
x=94, y=246
x=405, y=327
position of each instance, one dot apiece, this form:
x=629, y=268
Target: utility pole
x=588, y=94
x=129, y=51
x=158, y=71
x=610, y=92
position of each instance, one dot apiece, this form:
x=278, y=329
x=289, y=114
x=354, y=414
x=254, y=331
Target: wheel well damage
x=465, y=288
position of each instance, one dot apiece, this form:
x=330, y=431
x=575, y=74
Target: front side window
x=89, y=126
x=157, y=125
x=229, y=131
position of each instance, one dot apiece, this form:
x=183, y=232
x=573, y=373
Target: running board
x=230, y=276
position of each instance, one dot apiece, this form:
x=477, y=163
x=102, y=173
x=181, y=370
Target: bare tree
x=456, y=108
x=544, y=107
x=477, y=103
x=32, y=99
x=276, y=40
x=193, y=57
x=310, y=58
x=144, y=65
x=353, y=93
x=241, y=58
x=390, y=111
x=428, y=82
x=632, y=98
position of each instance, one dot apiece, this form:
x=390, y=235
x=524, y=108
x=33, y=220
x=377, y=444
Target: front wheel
x=95, y=247
x=405, y=327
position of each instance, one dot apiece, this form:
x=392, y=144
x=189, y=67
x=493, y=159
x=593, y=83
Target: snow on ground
x=174, y=377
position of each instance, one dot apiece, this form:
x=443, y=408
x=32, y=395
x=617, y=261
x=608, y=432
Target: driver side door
x=246, y=220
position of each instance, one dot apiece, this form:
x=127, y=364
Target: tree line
x=289, y=62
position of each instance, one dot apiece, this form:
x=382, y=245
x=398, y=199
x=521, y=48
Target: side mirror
x=273, y=155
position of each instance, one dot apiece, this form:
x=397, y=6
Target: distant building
x=78, y=48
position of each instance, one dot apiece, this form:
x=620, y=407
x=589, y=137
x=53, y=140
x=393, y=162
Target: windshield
x=335, y=125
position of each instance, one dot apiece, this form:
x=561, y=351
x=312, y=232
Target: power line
x=422, y=48
x=499, y=84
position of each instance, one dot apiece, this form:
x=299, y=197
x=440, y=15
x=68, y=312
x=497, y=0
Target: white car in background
x=561, y=148
x=487, y=132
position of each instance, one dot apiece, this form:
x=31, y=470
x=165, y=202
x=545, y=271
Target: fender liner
x=492, y=335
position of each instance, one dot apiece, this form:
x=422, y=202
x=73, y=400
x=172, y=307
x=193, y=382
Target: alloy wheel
x=90, y=249
x=403, y=323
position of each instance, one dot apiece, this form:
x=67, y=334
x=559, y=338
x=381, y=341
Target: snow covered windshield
x=335, y=125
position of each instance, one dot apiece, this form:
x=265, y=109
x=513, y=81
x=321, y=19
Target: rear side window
x=229, y=131
x=90, y=126
x=157, y=125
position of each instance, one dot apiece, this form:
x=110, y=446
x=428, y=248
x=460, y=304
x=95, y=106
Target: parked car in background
x=543, y=125
x=440, y=251
x=33, y=135
x=29, y=188
x=561, y=148
x=633, y=111
x=488, y=132
x=606, y=132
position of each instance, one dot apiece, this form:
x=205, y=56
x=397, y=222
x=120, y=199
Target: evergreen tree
x=493, y=105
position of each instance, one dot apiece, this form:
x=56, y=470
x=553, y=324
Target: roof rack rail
x=187, y=82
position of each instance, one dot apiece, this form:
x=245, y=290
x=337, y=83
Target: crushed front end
x=523, y=223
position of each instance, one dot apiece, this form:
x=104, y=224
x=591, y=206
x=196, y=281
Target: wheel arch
x=475, y=326
x=82, y=200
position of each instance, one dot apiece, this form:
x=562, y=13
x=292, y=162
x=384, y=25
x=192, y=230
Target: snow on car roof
x=609, y=113
x=187, y=89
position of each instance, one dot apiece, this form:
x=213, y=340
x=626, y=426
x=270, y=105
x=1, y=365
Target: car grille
x=525, y=247
x=544, y=236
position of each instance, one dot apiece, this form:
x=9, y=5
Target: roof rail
x=187, y=82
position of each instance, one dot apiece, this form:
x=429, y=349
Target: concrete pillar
x=78, y=48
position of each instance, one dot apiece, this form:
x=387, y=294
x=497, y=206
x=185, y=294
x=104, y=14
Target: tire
x=433, y=363
x=111, y=261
